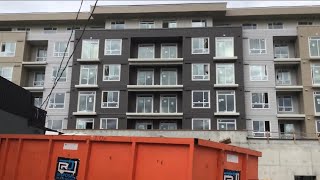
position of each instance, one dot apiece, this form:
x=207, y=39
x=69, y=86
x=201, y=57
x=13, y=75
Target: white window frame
x=318, y=45
x=169, y=69
x=281, y=46
x=6, y=53
x=261, y=73
x=260, y=132
x=106, y=119
x=53, y=30
x=107, y=106
x=23, y=29
x=58, y=54
x=200, y=21
x=263, y=104
x=192, y=48
x=34, y=79
x=281, y=81
x=53, y=95
x=304, y=23
x=6, y=68
x=141, y=69
x=86, y=120
x=203, y=79
x=144, y=95
x=168, y=123
x=201, y=119
x=170, y=21
x=226, y=123
x=90, y=41
x=83, y=67
x=154, y=51
x=284, y=107
x=44, y=58
x=150, y=22
x=53, y=77
x=115, y=22
x=315, y=93
x=94, y=99
x=104, y=77
x=144, y=123
x=251, y=26
x=224, y=68
x=52, y=120
x=109, y=52
x=317, y=128
x=171, y=45
x=313, y=66
x=274, y=24
x=234, y=100
x=162, y=96
x=224, y=39
x=260, y=49
x=203, y=103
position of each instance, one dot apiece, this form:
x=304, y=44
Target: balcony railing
x=38, y=118
x=282, y=135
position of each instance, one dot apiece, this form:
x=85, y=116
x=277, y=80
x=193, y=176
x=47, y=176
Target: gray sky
x=14, y=6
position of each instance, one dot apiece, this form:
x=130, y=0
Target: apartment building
x=187, y=66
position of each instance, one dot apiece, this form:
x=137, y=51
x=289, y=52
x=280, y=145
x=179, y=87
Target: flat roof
x=55, y=16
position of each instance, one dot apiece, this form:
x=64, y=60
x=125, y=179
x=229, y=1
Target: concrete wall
x=281, y=159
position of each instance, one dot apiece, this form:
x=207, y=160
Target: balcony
x=156, y=51
x=37, y=54
x=33, y=79
x=288, y=77
x=290, y=106
x=155, y=88
x=286, y=50
x=137, y=115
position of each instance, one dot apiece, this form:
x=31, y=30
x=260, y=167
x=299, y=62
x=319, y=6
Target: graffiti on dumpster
x=67, y=169
x=231, y=175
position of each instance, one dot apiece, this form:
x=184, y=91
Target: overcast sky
x=13, y=6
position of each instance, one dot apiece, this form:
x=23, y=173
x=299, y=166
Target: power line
x=75, y=46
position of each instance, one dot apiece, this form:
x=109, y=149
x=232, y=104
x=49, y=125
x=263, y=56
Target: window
x=60, y=49
x=145, y=77
x=318, y=126
x=168, y=77
x=227, y=124
x=5, y=29
x=258, y=73
x=201, y=124
x=168, y=126
x=144, y=104
x=55, y=74
x=57, y=101
x=260, y=128
x=315, y=73
x=169, y=51
x=260, y=100
x=316, y=101
x=305, y=178
x=110, y=99
x=109, y=123
x=8, y=49
x=200, y=72
x=146, y=24
x=86, y=101
x=224, y=47
x=281, y=51
x=200, y=45
x=85, y=123
x=113, y=47
x=283, y=77
x=286, y=130
x=90, y=49
x=200, y=99
x=169, y=24
x=305, y=23
x=314, y=46
x=275, y=25
x=6, y=72
x=88, y=75
x=111, y=72
x=144, y=125
x=74, y=28
x=168, y=104
x=38, y=79
x=199, y=23
x=50, y=30
x=117, y=25
x=225, y=73
x=249, y=26
x=54, y=124
x=257, y=46
x=226, y=101
x=41, y=54
x=23, y=29
x=285, y=104
x=146, y=51
x=37, y=101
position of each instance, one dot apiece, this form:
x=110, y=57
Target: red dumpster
x=40, y=157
